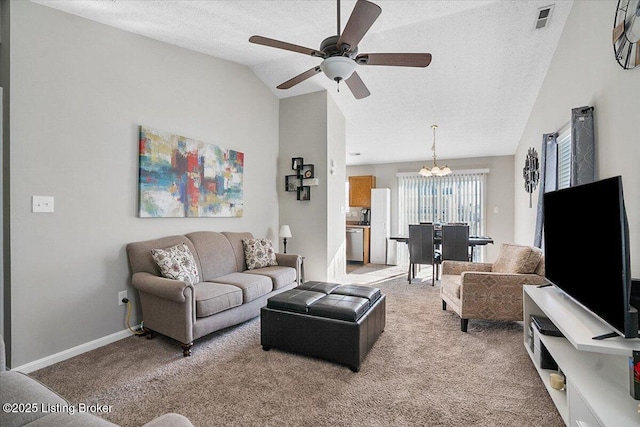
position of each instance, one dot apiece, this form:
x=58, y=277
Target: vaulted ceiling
x=489, y=62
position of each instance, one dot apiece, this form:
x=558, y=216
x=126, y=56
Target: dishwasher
x=355, y=244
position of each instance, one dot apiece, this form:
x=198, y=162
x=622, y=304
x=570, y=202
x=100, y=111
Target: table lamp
x=285, y=233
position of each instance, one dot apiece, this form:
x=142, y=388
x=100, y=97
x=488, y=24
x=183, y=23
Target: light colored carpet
x=369, y=274
x=422, y=371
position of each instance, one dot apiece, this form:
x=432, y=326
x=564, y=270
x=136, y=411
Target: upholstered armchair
x=488, y=291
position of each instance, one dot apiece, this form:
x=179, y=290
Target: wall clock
x=531, y=172
x=626, y=34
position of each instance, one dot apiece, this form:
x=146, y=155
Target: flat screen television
x=586, y=247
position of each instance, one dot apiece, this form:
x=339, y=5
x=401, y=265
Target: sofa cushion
x=17, y=387
x=235, y=240
x=253, y=285
x=140, y=258
x=258, y=253
x=212, y=298
x=280, y=276
x=517, y=259
x=215, y=253
x=177, y=262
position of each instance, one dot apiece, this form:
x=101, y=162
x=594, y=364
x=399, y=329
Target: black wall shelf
x=303, y=179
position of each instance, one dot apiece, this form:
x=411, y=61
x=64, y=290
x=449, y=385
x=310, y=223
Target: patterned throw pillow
x=177, y=263
x=258, y=253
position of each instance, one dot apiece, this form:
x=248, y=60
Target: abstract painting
x=181, y=177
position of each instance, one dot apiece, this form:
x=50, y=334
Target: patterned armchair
x=476, y=290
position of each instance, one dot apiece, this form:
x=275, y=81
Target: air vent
x=543, y=17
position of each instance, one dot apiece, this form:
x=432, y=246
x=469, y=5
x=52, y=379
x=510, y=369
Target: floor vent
x=544, y=14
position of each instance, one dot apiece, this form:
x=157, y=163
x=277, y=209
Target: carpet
x=422, y=371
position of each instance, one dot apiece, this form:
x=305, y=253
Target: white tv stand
x=596, y=371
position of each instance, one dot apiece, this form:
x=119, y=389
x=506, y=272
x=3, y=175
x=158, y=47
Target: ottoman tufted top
x=297, y=300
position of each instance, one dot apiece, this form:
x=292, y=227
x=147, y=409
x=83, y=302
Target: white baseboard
x=75, y=351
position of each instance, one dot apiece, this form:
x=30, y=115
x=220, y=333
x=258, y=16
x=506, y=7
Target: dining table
x=437, y=240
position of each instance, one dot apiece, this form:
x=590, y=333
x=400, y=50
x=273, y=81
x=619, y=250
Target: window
x=564, y=157
x=459, y=197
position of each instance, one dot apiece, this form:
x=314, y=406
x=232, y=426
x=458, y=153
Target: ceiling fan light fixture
x=338, y=68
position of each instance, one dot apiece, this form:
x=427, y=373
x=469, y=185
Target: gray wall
x=79, y=92
x=499, y=191
x=312, y=127
x=584, y=72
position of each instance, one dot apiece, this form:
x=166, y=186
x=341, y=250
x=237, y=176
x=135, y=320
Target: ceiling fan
x=340, y=53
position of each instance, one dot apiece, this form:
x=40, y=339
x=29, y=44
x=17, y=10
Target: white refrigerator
x=380, y=225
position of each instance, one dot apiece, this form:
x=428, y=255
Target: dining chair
x=455, y=242
x=421, y=250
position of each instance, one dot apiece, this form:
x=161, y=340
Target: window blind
x=564, y=159
x=459, y=197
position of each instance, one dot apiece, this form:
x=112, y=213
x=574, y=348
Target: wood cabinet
x=360, y=190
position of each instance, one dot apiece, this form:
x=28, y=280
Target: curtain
x=548, y=179
x=582, y=146
x=582, y=160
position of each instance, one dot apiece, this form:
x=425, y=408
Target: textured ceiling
x=488, y=63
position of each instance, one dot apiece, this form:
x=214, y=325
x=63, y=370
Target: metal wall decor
x=531, y=172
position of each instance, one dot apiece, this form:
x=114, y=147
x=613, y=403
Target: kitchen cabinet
x=360, y=190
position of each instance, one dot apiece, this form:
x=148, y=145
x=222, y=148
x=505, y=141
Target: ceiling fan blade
x=362, y=18
x=357, y=86
x=265, y=41
x=395, y=59
x=300, y=78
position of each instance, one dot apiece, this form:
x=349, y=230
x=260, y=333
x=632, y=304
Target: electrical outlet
x=122, y=295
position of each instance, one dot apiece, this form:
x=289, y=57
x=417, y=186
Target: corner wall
x=583, y=72
x=80, y=90
x=312, y=127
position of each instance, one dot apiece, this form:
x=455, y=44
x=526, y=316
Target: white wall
x=79, y=91
x=584, y=72
x=335, y=161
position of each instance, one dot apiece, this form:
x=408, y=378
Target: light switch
x=42, y=204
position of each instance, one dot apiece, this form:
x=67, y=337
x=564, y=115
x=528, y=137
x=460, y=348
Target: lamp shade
x=285, y=231
x=338, y=67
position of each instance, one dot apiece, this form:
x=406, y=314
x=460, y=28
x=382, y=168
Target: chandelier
x=435, y=170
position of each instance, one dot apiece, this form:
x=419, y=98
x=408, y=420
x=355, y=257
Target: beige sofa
x=476, y=290
x=227, y=293
x=27, y=402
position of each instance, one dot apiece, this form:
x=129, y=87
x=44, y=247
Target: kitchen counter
x=358, y=226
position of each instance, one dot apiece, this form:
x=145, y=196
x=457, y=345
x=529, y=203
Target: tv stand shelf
x=596, y=371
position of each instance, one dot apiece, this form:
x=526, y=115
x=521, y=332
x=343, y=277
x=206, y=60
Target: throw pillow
x=517, y=259
x=258, y=253
x=177, y=262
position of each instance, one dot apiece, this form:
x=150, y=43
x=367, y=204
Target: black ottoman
x=324, y=320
